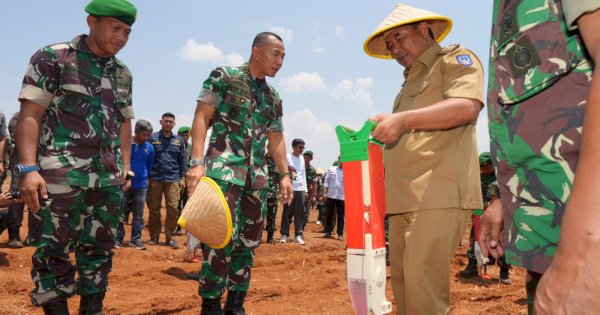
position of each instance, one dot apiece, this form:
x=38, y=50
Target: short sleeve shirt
x=86, y=98
x=246, y=111
x=435, y=169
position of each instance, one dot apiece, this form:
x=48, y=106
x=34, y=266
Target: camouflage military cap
x=121, y=10
x=308, y=152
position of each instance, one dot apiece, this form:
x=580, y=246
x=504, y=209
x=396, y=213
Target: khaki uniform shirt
x=435, y=169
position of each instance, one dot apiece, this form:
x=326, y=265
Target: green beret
x=336, y=163
x=485, y=156
x=121, y=10
x=308, y=152
x=184, y=129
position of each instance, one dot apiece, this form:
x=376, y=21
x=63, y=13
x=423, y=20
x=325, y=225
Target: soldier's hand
x=32, y=187
x=287, y=191
x=193, y=177
x=490, y=227
x=127, y=185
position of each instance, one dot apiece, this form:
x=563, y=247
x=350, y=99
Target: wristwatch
x=21, y=169
x=196, y=162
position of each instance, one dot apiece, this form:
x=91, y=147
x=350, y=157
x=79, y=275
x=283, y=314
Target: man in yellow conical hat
x=431, y=165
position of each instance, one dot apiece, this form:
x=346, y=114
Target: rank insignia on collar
x=464, y=59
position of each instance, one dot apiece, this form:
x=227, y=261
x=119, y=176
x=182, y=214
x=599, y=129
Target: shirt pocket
x=77, y=89
x=532, y=50
x=122, y=92
x=237, y=100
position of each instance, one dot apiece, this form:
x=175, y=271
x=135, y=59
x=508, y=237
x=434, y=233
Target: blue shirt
x=334, y=182
x=169, y=157
x=142, y=159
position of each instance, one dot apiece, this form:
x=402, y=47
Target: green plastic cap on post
x=354, y=145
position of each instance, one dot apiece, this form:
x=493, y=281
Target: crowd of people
x=79, y=171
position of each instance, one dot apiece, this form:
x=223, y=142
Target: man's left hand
x=287, y=191
x=127, y=185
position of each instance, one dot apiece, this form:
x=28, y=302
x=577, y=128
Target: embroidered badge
x=464, y=60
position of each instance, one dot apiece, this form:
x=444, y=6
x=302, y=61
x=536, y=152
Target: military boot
x=235, y=303
x=270, y=238
x=91, y=304
x=211, y=307
x=56, y=308
x=470, y=271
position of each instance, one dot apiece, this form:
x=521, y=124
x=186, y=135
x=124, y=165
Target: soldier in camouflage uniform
x=184, y=133
x=541, y=90
x=3, y=147
x=311, y=177
x=76, y=113
x=245, y=111
x=272, y=197
x=489, y=191
x=320, y=197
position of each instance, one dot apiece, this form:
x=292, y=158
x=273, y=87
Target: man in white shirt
x=296, y=208
x=334, y=191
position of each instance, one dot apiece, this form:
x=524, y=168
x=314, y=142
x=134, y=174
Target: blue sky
x=326, y=80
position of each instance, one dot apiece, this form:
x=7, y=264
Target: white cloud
x=319, y=136
x=199, y=52
x=286, y=34
x=318, y=50
x=303, y=82
x=339, y=31
x=358, y=92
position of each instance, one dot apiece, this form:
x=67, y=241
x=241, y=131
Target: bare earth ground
x=286, y=279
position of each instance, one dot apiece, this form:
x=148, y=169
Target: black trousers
x=335, y=207
x=296, y=208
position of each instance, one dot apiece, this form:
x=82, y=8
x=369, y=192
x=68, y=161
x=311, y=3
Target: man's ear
x=423, y=28
x=91, y=22
x=255, y=52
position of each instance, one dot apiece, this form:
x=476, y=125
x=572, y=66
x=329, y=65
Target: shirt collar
x=79, y=44
x=427, y=58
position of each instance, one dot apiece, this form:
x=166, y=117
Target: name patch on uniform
x=464, y=60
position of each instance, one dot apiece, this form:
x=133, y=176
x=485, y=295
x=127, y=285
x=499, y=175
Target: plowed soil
x=286, y=279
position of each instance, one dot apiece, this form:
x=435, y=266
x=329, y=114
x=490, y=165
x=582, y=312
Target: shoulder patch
x=448, y=49
x=464, y=59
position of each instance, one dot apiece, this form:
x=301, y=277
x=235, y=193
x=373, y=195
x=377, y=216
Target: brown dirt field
x=285, y=279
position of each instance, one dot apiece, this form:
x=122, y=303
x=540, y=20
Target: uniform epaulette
x=448, y=49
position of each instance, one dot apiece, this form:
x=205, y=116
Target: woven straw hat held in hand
x=206, y=215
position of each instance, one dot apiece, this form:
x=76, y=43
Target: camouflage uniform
x=246, y=110
x=535, y=126
x=16, y=210
x=86, y=99
x=321, y=200
x=311, y=177
x=3, y=133
x=273, y=192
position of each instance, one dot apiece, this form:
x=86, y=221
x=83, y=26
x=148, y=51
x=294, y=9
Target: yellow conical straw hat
x=206, y=215
x=401, y=15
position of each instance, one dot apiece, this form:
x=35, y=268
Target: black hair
x=262, y=37
x=168, y=114
x=297, y=142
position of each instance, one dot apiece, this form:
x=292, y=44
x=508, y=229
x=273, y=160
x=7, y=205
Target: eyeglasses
x=301, y=148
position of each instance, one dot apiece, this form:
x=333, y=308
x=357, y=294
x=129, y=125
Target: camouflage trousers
x=229, y=267
x=73, y=219
x=272, y=204
x=322, y=208
x=306, y=213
